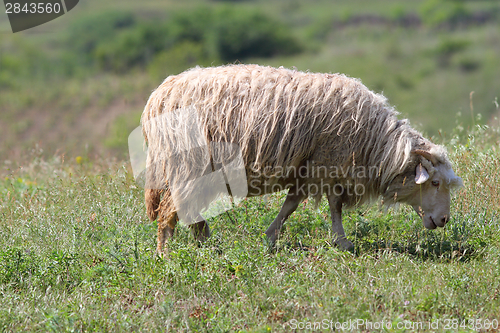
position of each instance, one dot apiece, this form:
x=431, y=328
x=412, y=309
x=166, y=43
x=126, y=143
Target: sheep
x=314, y=134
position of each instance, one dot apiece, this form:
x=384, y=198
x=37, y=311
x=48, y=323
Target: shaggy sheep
x=311, y=133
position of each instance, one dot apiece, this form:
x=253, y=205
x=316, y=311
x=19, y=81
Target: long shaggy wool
x=278, y=118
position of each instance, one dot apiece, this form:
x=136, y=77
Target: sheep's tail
x=153, y=198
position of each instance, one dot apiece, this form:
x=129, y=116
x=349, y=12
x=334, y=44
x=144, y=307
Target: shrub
x=443, y=12
x=467, y=63
x=189, y=26
x=447, y=48
x=117, y=42
x=86, y=34
x=177, y=59
x=130, y=48
x=239, y=35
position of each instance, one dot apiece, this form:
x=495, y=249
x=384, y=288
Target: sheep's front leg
x=200, y=230
x=292, y=201
x=339, y=237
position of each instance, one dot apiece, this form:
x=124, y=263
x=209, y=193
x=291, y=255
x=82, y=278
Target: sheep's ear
x=427, y=155
x=421, y=174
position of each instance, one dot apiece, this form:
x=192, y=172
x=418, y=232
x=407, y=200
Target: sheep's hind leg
x=166, y=227
x=167, y=220
x=291, y=203
x=339, y=237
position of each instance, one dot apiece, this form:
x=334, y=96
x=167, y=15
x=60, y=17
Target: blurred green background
x=77, y=85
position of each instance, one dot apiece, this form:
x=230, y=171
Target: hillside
x=77, y=85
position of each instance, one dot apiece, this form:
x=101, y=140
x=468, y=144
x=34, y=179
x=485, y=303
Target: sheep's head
x=434, y=179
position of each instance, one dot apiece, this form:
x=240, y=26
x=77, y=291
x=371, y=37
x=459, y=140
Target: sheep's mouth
x=432, y=225
x=428, y=221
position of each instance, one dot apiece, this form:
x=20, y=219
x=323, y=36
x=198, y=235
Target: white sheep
x=311, y=133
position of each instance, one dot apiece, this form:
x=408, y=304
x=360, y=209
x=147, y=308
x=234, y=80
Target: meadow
x=76, y=246
x=77, y=254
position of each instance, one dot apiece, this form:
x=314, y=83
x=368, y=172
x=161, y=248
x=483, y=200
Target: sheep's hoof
x=158, y=255
x=344, y=244
x=269, y=245
x=208, y=245
x=216, y=249
x=161, y=253
x=201, y=239
x=201, y=232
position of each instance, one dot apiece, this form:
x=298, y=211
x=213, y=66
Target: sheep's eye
x=435, y=182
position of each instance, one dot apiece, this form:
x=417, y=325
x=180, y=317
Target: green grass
x=77, y=255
